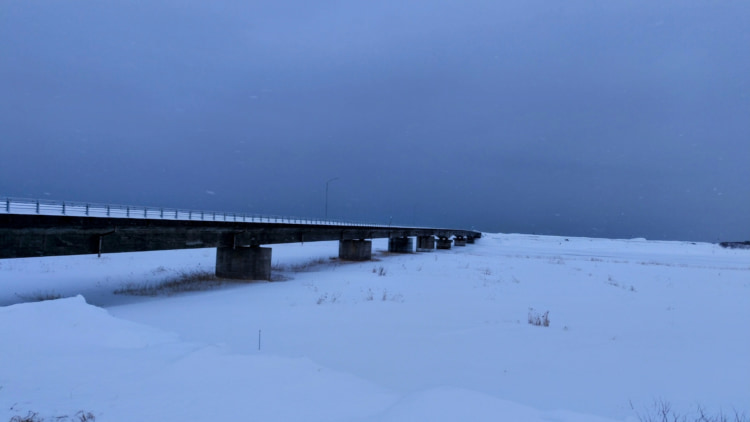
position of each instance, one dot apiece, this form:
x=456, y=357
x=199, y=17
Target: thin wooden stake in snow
x=258, y=340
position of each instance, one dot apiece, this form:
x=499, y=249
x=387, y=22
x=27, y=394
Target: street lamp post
x=327, y=182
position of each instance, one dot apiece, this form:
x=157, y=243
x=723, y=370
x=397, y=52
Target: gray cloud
x=619, y=119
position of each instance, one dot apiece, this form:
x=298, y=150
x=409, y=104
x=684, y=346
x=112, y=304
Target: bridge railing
x=85, y=209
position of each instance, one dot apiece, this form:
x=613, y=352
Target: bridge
x=36, y=228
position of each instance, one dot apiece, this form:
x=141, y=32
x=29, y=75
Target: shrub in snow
x=662, y=412
x=391, y=297
x=80, y=416
x=381, y=271
x=326, y=298
x=31, y=417
x=84, y=416
x=736, y=245
x=540, y=320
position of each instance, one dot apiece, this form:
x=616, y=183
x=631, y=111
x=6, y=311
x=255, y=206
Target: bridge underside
x=237, y=243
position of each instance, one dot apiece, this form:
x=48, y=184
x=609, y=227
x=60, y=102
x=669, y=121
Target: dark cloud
x=617, y=119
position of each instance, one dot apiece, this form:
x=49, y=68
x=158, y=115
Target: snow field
x=427, y=336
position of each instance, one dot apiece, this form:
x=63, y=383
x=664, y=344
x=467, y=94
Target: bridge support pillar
x=444, y=243
x=425, y=243
x=244, y=263
x=470, y=239
x=459, y=241
x=400, y=245
x=355, y=250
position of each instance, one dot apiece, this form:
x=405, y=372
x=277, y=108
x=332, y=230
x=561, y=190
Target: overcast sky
x=623, y=118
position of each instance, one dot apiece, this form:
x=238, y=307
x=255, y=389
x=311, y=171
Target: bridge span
x=36, y=228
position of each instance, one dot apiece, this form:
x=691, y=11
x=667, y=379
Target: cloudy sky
x=624, y=118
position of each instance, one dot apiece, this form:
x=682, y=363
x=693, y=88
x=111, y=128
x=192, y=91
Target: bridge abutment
x=400, y=245
x=355, y=250
x=425, y=243
x=244, y=263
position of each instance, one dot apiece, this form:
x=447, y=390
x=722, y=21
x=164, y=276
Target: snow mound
x=120, y=370
x=71, y=325
x=457, y=404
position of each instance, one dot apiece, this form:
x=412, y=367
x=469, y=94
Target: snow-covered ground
x=427, y=336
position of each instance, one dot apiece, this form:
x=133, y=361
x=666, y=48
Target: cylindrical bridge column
x=243, y=263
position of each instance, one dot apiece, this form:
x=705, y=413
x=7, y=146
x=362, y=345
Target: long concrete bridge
x=35, y=228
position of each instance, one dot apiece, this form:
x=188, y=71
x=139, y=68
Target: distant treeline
x=736, y=245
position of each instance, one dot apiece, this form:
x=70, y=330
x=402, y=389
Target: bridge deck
x=32, y=234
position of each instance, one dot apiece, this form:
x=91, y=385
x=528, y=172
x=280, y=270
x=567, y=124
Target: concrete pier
x=459, y=241
x=444, y=243
x=425, y=243
x=243, y=263
x=355, y=250
x=400, y=245
x=470, y=239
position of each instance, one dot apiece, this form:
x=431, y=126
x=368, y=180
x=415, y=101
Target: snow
x=438, y=336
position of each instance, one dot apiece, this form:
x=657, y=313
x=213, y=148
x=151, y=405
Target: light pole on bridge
x=327, y=182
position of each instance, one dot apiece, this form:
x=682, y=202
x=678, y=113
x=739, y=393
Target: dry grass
x=30, y=417
x=200, y=280
x=662, y=411
x=305, y=266
x=80, y=416
x=39, y=296
x=381, y=271
x=186, y=281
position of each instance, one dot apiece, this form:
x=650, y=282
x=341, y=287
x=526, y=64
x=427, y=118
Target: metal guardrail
x=85, y=209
